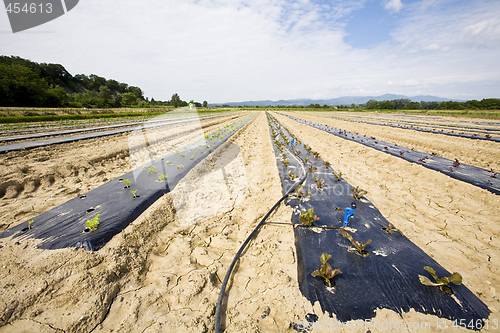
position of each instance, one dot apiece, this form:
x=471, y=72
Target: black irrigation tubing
x=64, y=226
x=486, y=137
x=486, y=179
x=218, y=310
x=386, y=275
x=73, y=138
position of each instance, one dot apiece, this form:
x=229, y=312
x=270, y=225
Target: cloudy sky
x=238, y=50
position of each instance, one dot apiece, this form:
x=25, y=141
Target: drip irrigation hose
x=233, y=263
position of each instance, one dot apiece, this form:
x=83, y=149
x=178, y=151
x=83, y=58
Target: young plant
x=326, y=271
x=456, y=163
x=299, y=192
x=92, y=224
x=326, y=164
x=152, y=169
x=307, y=217
x=292, y=175
x=315, y=154
x=357, y=192
x=168, y=162
x=29, y=223
x=359, y=246
x=442, y=283
x=127, y=183
x=182, y=154
x=162, y=177
x=307, y=160
x=337, y=175
x=297, y=152
x=192, y=157
x=319, y=182
x=285, y=163
x=312, y=169
x=390, y=229
x=180, y=166
x=134, y=193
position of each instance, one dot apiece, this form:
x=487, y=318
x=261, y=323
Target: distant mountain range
x=346, y=100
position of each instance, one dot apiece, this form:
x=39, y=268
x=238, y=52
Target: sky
x=241, y=50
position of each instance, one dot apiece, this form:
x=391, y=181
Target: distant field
x=21, y=115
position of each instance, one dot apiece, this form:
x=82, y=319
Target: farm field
x=164, y=271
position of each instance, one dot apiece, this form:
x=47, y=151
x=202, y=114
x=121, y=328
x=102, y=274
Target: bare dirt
x=163, y=272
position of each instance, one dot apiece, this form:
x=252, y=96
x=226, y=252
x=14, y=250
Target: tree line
x=406, y=104
x=24, y=83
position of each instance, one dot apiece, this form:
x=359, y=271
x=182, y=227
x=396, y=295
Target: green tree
x=205, y=104
x=136, y=91
x=20, y=86
x=105, y=93
x=129, y=99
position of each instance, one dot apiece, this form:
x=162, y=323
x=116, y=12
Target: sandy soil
x=454, y=222
x=164, y=271
x=481, y=153
x=34, y=181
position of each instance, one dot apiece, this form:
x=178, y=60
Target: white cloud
x=483, y=34
x=393, y=5
x=222, y=50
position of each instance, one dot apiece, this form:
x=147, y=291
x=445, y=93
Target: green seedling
x=312, y=169
x=176, y=151
x=292, y=175
x=307, y=160
x=337, y=175
x=359, y=246
x=192, y=157
x=308, y=149
x=442, y=283
x=29, y=223
x=162, y=177
x=182, y=154
x=285, y=163
x=307, y=217
x=168, y=162
x=152, y=170
x=326, y=164
x=92, y=224
x=134, y=193
x=390, y=229
x=297, y=152
x=357, y=192
x=299, y=192
x=326, y=271
x=180, y=166
x=319, y=182
x=127, y=183
x=315, y=154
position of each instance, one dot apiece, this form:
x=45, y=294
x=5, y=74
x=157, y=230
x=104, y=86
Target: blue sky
x=237, y=50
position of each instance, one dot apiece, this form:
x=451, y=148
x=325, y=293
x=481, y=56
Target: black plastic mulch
x=385, y=279
x=486, y=179
x=64, y=226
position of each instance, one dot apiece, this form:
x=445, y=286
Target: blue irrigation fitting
x=348, y=213
x=291, y=142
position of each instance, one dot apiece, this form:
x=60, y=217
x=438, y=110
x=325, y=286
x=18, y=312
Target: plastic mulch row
x=486, y=179
x=64, y=226
x=460, y=132
x=72, y=138
x=388, y=277
x=79, y=130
